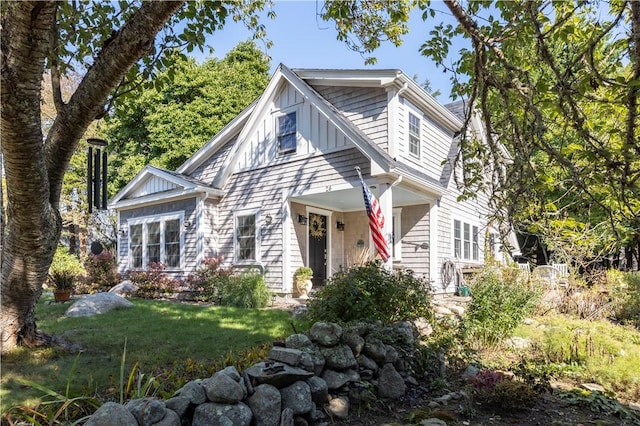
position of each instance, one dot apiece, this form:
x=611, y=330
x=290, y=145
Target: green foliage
x=246, y=290
x=500, y=302
x=65, y=269
x=303, y=272
x=626, y=300
x=152, y=282
x=208, y=279
x=201, y=99
x=599, y=403
x=53, y=407
x=101, y=272
x=370, y=292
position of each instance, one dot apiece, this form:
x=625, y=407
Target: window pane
x=287, y=132
x=153, y=242
x=172, y=243
x=135, y=246
x=414, y=135
x=457, y=240
x=475, y=244
x=467, y=241
x=246, y=237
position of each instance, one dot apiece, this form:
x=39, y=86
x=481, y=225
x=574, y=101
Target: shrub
x=370, y=292
x=101, y=271
x=65, y=269
x=627, y=300
x=246, y=290
x=498, y=304
x=495, y=389
x=208, y=279
x=152, y=282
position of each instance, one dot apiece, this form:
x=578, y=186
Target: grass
x=163, y=338
x=580, y=351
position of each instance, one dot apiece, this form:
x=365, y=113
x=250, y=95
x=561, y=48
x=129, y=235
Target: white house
x=277, y=187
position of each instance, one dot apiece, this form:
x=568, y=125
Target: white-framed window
x=287, y=134
x=246, y=237
x=467, y=241
x=466, y=245
x=156, y=240
x=475, y=248
x=396, y=235
x=414, y=135
x=457, y=239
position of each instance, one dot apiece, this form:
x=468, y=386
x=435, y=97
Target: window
x=396, y=235
x=287, y=140
x=246, y=241
x=476, y=248
x=457, y=239
x=467, y=240
x=155, y=240
x=414, y=135
x=135, y=246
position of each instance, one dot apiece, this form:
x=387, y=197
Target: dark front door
x=318, y=248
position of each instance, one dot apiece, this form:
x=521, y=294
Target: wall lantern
x=187, y=225
x=360, y=244
x=340, y=226
x=123, y=230
x=268, y=219
x=302, y=220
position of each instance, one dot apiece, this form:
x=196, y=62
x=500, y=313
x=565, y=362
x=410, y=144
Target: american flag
x=376, y=220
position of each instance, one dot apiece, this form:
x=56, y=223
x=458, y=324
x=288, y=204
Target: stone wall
x=309, y=379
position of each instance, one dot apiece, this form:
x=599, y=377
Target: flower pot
x=304, y=287
x=61, y=295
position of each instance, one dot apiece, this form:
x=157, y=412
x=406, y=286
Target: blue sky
x=303, y=40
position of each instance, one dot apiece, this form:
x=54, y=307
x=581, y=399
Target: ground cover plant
x=167, y=340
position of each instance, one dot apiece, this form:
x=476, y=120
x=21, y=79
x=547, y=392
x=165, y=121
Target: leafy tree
x=199, y=102
x=557, y=84
x=111, y=44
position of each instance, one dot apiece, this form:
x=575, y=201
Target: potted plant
x=63, y=272
x=303, y=277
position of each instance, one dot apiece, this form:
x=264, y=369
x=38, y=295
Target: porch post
x=434, y=269
x=385, y=199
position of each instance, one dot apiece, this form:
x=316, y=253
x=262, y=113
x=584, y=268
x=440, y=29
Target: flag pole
x=376, y=220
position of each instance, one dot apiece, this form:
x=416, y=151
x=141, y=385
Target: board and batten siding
x=314, y=131
x=187, y=207
x=153, y=185
x=262, y=190
x=365, y=107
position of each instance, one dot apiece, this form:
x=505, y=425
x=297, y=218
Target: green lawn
x=166, y=339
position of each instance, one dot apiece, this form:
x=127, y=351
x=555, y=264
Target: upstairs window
x=414, y=135
x=287, y=140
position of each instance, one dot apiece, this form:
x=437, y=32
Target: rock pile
x=307, y=380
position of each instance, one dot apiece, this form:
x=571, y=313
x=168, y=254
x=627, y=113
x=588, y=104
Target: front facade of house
x=277, y=188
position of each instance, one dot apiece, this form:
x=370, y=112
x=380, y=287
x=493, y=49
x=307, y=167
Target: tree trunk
x=35, y=170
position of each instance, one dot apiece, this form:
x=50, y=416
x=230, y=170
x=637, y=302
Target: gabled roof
x=384, y=78
x=283, y=74
x=175, y=185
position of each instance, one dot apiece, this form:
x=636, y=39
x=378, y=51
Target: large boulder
x=266, y=404
x=214, y=414
x=98, y=303
x=112, y=414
